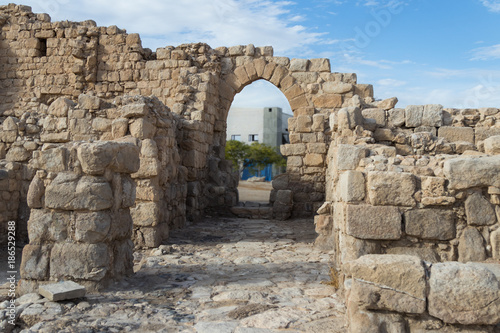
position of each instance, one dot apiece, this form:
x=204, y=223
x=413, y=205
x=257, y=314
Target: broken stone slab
x=62, y=291
x=467, y=172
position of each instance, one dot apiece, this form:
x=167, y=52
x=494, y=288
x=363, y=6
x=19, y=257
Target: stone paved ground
x=220, y=275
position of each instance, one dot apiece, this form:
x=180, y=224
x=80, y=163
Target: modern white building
x=267, y=125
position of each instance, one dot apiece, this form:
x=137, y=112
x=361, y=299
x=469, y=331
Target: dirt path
x=220, y=275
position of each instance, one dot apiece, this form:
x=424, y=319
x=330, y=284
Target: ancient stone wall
x=80, y=225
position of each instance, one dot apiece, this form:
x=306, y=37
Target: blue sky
x=421, y=51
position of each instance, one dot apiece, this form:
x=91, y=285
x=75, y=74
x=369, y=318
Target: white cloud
x=492, y=5
x=486, y=53
x=216, y=22
x=391, y=83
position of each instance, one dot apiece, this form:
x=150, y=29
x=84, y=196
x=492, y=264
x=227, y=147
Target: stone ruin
x=106, y=145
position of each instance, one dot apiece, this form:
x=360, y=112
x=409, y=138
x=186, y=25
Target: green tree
x=237, y=152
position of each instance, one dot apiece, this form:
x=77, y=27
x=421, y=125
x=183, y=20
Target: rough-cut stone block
x=466, y=172
x=482, y=133
x=79, y=261
x=389, y=282
x=304, y=124
x=337, y=87
x=328, y=101
x=60, y=107
x=35, y=262
x=432, y=115
x=492, y=145
x=119, y=157
x=92, y=227
x=391, y=188
x=495, y=244
x=149, y=167
x=378, y=115
x=142, y=128
x=134, y=110
x=299, y=65
x=62, y=291
x=423, y=253
x=352, y=186
x=314, y=160
x=69, y=192
x=373, y=222
x=454, y=134
x=88, y=102
x=388, y=103
x=479, y=211
x=396, y=117
x=146, y=214
x=430, y=224
x=348, y=156
x=471, y=246
x=47, y=227
x=320, y=65
x=413, y=115
x=463, y=294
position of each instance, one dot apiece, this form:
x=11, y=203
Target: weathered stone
x=352, y=186
x=378, y=115
x=299, y=65
x=463, y=294
x=69, y=192
x=60, y=107
x=479, y=211
x=466, y=172
x=51, y=160
x=432, y=115
x=36, y=192
x=373, y=222
x=414, y=115
x=337, y=87
x=119, y=157
x=455, y=134
x=134, y=110
x=92, y=227
x=425, y=254
x=88, y=102
x=323, y=224
x=388, y=103
x=304, y=124
x=430, y=224
x=149, y=167
x=18, y=154
x=146, y=214
x=79, y=261
x=348, y=156
x=389, y=282
x=62, y=291
x=396, y=117
x=391, y=188
x=35, y=262
x=492, y=145
x=45, y=226
x=471, y=246
x=119, y=127
x=142, y=128
x=328, y=101
x=284, y=197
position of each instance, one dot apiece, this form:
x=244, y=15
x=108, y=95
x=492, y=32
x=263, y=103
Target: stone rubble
x=219, y=275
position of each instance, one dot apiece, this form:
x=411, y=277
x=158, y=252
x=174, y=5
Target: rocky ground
x=220, y=275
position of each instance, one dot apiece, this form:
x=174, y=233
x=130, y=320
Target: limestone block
x=314, y=160
x=383, y=134
x=142, y=128
x=466, y=172
x=389, y=282
x=79, y=261
x=36, y=192
x=284, y=197
x=479, y=211
x=95, y=158
x=149, y=167
x=432, y=115
x=55, y=137
x=35, y=262
x=328, y=101
x=304, y=124
x=433, y=186
x=101, y=124
x=146, y=214
x=388, y=103
x=70, y=192
x=391, y=188
x=352, y=186
x=149, y=148
x=8, y=136
x=294, y=161
x=62, y=291
x=46, y=226
x=119, y=127
x=323, y=224
x=318, y=123
x=396, y=117
x=363, y=90
x=337, y=87
x=471, y=246
x=463, y=294
x=430, y=224
x=92, y=227
x=492, y=145
x=299, y=65
x=348, y=156
x=320, y=65
x=18, y=154
x=378, y=115
x=88, y=102
x=51, y=160
x=60, y=107
x=373, y=222
x=455, y=134
x=414, y=115
x=280, y=182
x=354, y=117
x=495, y=244
x=134, y=110
x=354, y=248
